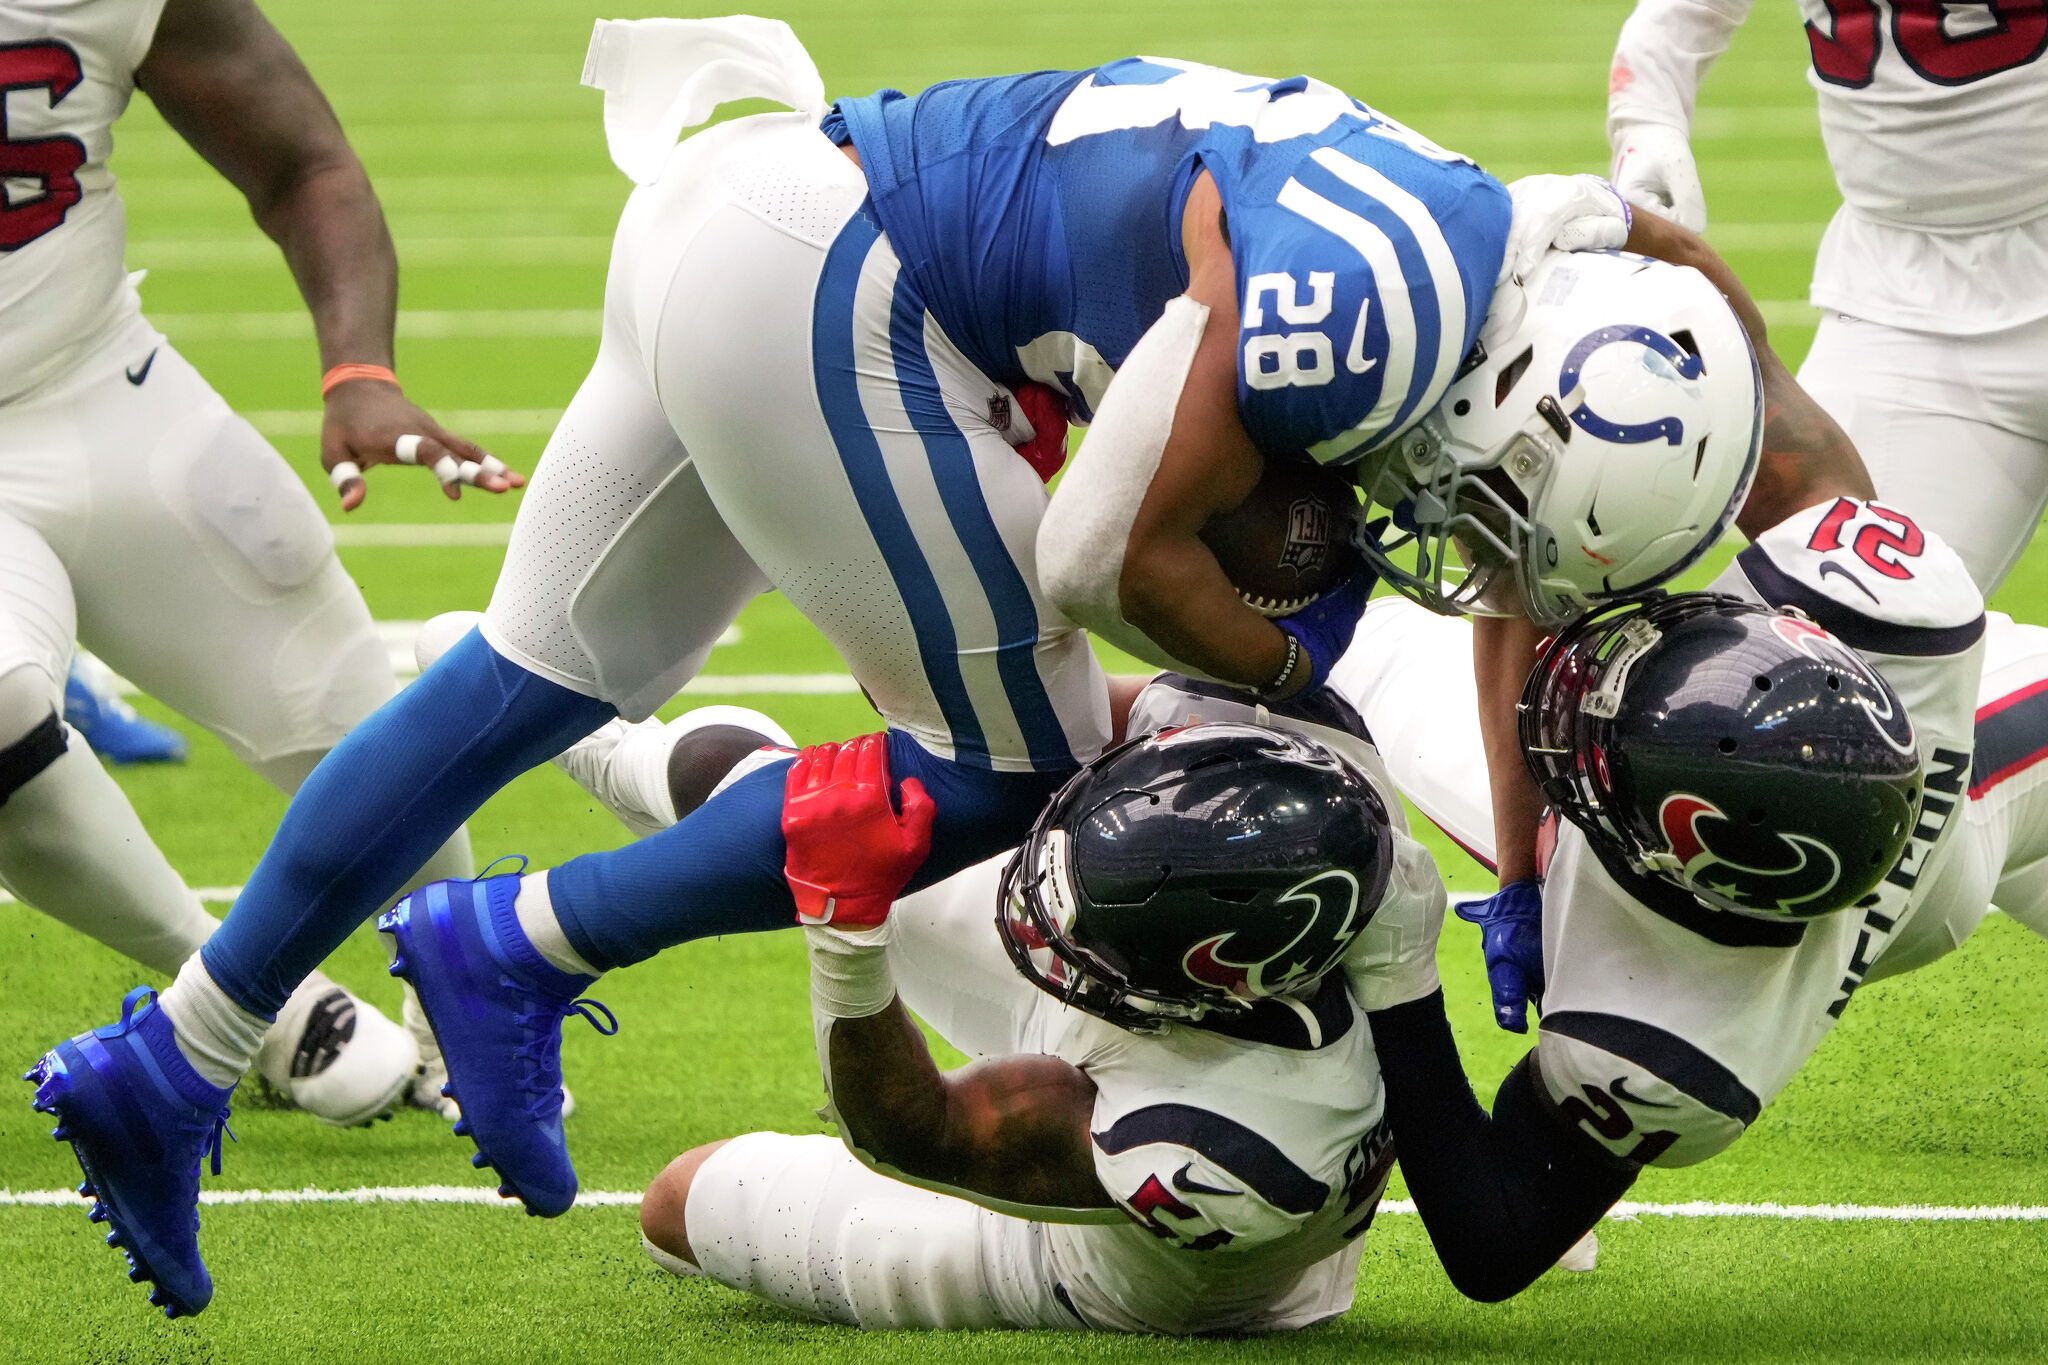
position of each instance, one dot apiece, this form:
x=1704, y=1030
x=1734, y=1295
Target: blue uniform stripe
x=1422, y=284
x=1009, y=597
x=834, y=365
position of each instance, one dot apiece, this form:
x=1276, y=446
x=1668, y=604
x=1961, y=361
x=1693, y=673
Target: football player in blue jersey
x=816, y=326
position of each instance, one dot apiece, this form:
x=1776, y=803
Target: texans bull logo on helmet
x=1302, y=940
x=1757, y=868
x=1892, y=724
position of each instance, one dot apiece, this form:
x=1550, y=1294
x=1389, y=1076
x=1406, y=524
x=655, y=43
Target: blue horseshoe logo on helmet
x=1592, y=423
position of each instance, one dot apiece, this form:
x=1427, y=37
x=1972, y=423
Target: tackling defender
x=1933, y=276
x=141, y=516
x=763, y=335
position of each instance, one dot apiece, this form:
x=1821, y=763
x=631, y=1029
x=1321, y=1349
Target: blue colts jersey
x=1039, y=218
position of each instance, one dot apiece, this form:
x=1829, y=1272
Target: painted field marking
x=489, y=1197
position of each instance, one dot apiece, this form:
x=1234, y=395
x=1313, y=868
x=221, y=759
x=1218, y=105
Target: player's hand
x=1564, y=212
x=1325, y=627
x=1653, y=167
x=367, y=424
x=1511, y=936
x=849, y=851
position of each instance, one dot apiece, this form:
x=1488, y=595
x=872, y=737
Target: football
x=1289, y=541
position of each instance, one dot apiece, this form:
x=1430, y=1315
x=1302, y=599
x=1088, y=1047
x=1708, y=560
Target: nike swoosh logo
x=1828, y=566
x=1187, y=1186
x=1615, y=1090
x=1355, y=360
x=136, y=377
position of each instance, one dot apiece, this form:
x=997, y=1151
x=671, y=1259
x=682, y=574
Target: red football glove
x=849, y=851
x=1046, y=451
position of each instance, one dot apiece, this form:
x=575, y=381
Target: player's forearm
x=1806, y=457
x=1662, y=57
x=889, y=1093
x=1503, y=650
x=1175, y=593
x=1502, y=1195
x=332, y=232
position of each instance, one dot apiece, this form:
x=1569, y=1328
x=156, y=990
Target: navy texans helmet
x=1201, y=869
x=1740, y=753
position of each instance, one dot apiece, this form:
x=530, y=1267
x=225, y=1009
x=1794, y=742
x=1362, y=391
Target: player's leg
x=2009, y=772
x=799, y=1222
x=1409, y=674
x=1952, y=429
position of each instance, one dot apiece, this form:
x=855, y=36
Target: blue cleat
x=110, y=725
x=497, y=1008
x=139, y=1119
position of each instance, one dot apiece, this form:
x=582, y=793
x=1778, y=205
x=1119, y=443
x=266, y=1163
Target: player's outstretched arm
x=230, y=84
x=1010, y=1129
x=1806, y=457
x=1505, y=1194
x=1663, y=54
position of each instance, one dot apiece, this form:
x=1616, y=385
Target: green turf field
x=491, y=164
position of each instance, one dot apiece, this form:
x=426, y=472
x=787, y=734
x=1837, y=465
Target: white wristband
x=850, y=976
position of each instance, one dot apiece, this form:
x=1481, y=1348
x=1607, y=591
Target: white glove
x=1653, y=166
x=1567, y=212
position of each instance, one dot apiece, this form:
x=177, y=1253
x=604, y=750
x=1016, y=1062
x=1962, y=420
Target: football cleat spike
x=85, y=1190
x=477, y=1160
x=98, y=1214
x=461, y=1128
x=113, y=1237
x=505, y=1191
x=137, y=1275
x=61, y=1132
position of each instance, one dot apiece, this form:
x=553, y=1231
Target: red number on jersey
x=1904, y=540
x=2016, y=33
x=1881, y=547
x=51, y=161
x=1848, y=55
x=1933, y=37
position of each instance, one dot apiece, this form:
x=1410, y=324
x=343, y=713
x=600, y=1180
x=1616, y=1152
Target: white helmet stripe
x=1391, y=287
x=1436, y=252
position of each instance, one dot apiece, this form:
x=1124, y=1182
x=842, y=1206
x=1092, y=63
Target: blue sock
x=377, y=807
x=719, y=871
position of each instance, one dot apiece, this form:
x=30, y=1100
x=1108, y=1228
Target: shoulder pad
x=1203, y=1181
x=1644, y=1094
x=1869, y=575
x=1363, y=275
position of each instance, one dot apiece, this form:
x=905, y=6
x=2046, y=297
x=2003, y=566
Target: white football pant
x=147, y=521
x=1954, y=427
x=771, y=407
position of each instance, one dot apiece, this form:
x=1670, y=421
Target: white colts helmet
x=1600, y=439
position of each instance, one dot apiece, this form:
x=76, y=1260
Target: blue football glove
x=1511, y=935
x=1325, y=627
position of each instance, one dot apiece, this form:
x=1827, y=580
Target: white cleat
x=338, y=1058
x=1582, y=1255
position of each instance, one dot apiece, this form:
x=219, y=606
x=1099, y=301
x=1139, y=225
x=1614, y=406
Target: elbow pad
x=1087, y=525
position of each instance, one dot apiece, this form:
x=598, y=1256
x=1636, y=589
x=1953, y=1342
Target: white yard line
x=215, y=253
x=489, y=1197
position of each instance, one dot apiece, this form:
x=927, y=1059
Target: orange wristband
x=341, y=374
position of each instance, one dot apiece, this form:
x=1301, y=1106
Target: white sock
x=217, y=1036
x=669, y=1261
x=537, y=921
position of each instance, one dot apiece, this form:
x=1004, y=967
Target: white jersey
x=1247, y=1157
x=1935, y=118
x=67, y=69
x=1667, y=1026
